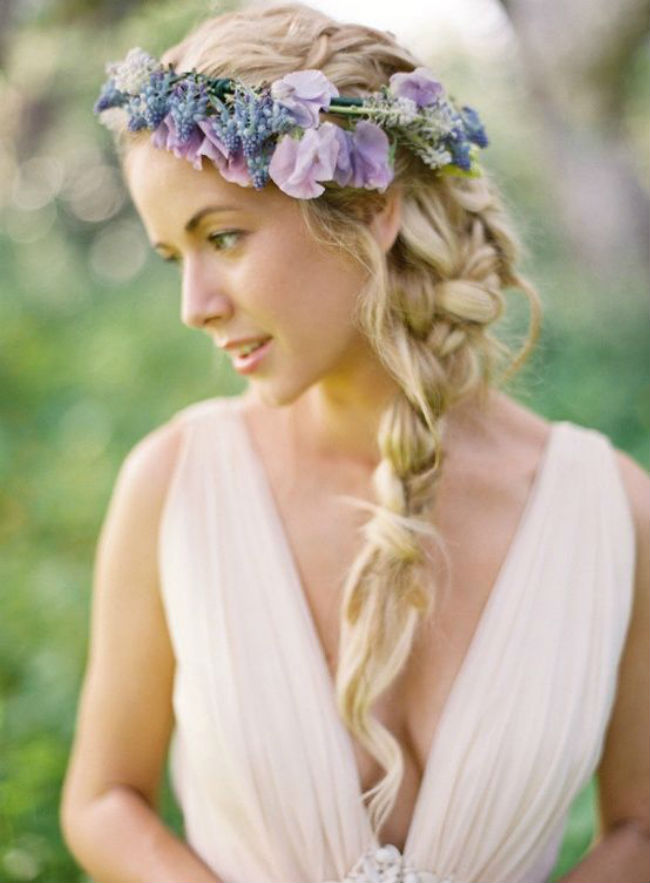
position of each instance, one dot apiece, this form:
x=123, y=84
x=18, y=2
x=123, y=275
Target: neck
x=332, y=424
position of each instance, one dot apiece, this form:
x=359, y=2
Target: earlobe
x=386, y=223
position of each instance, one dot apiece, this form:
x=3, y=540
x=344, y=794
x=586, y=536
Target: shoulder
x=636, y=482
x=153, y=457
x=139, y=493
x=149, y=466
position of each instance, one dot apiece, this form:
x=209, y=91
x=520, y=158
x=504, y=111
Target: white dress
x=262, y=765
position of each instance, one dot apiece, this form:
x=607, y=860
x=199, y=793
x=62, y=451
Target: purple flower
x=304, y=94
x=166, y=135
x=366, y=162
x=419, y=85
x=231, y=165
x=298, y=164
x=202, y=141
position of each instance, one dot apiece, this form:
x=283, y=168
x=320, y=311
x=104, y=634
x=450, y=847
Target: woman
x=374, y=574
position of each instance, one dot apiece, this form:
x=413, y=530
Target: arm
x=110, y=794
x=622, y=851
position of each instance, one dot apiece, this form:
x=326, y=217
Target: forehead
x=167, y=190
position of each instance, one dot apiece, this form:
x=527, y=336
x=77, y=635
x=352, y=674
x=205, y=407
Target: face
x=251, y=270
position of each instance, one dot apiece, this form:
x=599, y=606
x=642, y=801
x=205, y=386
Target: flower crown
x=273, y=131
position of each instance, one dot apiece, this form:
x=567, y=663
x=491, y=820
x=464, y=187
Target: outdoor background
x=93, y=355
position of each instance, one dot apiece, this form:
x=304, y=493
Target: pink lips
x=235, y=344
x=247, y=364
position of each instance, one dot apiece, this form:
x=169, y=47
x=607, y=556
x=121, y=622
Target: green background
x=93, y=356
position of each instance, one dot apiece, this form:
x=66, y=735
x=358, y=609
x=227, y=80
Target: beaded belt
x=386, y=864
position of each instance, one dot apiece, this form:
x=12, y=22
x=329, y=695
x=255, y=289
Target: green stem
x=354, y=110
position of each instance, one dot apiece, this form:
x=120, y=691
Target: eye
x=226, y=240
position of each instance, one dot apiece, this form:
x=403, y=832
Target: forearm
x=119, y=838
x=621, y=856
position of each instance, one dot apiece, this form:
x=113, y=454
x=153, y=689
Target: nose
x=203, y=297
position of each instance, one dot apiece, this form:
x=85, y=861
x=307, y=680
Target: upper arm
x=624, y=770
x=125, y=713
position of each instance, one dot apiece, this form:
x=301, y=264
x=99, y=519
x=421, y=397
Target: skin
x=313, y=406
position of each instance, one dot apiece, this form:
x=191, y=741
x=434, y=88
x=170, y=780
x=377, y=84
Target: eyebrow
x=197, y=217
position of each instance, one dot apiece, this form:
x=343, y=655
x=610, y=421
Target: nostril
x=199, y=310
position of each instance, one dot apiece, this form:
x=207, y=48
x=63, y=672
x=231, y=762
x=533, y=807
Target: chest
x=323, y=533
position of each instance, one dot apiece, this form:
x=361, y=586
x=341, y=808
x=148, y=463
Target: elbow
x=75, y=816
x=71, y=814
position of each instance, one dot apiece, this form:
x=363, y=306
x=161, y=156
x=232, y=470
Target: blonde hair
x=426, y=310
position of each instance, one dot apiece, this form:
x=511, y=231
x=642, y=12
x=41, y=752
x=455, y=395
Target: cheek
x=313, y=289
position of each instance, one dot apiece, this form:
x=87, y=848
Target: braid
x=426, y=310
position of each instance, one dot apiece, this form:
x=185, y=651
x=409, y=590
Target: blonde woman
x=388, y=621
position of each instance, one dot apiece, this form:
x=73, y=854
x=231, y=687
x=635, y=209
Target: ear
x=386, y=223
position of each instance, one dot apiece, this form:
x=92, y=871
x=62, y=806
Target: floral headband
x=273, y=131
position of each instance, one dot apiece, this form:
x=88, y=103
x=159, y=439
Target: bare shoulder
x=150, y=462
x=637, y=486
x=148, y=468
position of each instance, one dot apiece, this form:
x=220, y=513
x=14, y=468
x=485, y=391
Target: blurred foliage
x=93, y=356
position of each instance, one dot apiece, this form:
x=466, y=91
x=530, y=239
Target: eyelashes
x=217, y=238
x=225, y=240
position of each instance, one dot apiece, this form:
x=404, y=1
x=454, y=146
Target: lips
x=244, y=342
x=249, y=362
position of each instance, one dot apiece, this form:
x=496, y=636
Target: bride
x=374, y=574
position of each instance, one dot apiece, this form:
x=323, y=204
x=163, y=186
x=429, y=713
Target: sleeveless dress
x=261, y=763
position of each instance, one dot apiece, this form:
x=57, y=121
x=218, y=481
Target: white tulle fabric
x=261, y=763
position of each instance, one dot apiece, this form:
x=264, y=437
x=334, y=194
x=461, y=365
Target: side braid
x=426, y=310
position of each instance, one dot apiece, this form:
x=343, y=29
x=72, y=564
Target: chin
x=274, y=396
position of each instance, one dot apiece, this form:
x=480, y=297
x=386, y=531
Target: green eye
x=225, y=240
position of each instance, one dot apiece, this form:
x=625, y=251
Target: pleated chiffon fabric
x=261, y=763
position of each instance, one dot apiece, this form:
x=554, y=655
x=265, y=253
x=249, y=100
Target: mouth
x=249, y=357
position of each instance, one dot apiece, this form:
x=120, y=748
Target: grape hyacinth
x=155, y=100
x=110, y=97
x=187, y=105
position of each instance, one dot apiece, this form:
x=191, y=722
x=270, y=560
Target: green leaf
x=453, y=171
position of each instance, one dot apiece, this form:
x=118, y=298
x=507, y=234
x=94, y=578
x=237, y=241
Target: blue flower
x=156, y=98
x=474, y=127
x=187, y=105
x=110, y=96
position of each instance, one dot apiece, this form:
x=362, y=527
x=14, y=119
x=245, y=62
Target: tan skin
x=312, y=411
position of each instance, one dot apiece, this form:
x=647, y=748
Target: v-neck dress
x=261, y=763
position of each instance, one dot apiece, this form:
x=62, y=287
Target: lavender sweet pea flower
x=344, y=170
x=165, y=135
x=232, y=166
x=367, y=161
x=420, y=86
x=298, y=164
x=304, y=94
